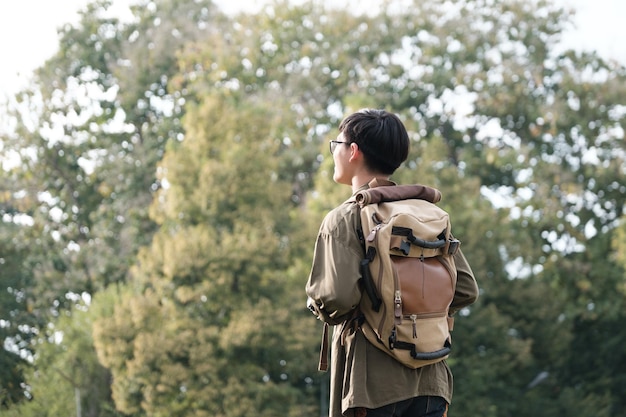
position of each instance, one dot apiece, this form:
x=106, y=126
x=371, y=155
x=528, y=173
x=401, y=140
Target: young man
x=365, y=381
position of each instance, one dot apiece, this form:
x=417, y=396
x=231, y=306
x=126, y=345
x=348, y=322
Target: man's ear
x=355, y=152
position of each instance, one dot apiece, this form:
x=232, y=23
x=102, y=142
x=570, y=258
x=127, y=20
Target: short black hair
x=380, y=135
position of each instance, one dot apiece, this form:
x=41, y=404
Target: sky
x=28, y=32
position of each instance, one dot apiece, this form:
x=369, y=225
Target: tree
x=89, y=133
x=66, y=377
x=13, y=312
x=209, y=301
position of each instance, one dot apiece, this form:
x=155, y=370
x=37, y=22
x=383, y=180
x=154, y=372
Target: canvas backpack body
x=408, y=273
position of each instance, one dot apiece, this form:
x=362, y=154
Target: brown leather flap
x=426, y=285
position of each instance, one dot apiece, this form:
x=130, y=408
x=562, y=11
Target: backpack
x=408, y=273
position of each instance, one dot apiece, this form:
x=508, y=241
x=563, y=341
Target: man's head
x=380, y=136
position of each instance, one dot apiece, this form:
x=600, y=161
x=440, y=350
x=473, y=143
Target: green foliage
x=66, y=377
x=175, y=168
x=14, y=305
x=211, y=291
x=618, y=248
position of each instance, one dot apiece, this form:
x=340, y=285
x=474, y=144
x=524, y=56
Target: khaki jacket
x=361, y=374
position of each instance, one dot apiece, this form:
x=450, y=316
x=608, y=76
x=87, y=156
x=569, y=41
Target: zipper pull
x=413, y=317
x=397, y=305
x=372, y=235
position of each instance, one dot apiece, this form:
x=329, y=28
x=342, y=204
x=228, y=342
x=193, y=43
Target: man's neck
x=359, y=181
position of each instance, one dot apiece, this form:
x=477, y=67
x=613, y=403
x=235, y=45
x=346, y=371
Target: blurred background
x=165, y=170
x=28, y=29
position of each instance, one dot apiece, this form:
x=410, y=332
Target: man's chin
x=338, y=180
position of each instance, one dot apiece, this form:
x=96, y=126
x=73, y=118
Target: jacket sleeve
x=466, y=291
x=333, y=286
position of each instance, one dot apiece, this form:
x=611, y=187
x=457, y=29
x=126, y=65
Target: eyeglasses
x=333, y=145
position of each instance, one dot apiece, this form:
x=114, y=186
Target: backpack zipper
x=415, y=317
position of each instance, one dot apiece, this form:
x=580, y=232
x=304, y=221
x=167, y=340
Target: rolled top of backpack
x=397, y=192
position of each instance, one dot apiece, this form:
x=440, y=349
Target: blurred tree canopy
x=164, y=177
